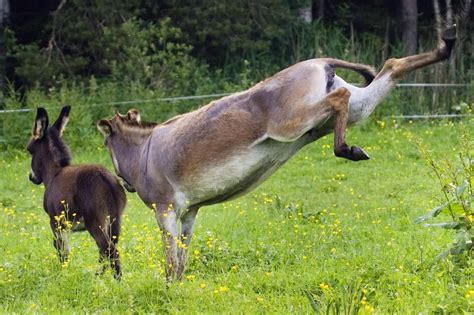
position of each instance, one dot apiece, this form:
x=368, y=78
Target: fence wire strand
x=197, y=97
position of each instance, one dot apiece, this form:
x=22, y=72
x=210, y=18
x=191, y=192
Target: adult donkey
x=227, y=148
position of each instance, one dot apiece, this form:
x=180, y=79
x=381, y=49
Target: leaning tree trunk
x=409, y=26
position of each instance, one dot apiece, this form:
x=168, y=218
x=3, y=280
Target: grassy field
x=322, y=233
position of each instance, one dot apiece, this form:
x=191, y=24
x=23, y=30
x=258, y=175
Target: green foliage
x=105, y=39
x=457, y=184
x=150, y=55
x=230, y=29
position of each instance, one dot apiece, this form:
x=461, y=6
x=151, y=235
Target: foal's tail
x=115, y=229
x=368, y=72
x=116, y=201
x=120, y=202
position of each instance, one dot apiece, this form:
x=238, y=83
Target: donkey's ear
x=61, y=122
x=133, y=115
x=104, y=127
x=41, y=123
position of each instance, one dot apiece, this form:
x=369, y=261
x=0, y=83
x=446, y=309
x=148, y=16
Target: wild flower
x=324, y=286
x=469, y=294
x=223, y=289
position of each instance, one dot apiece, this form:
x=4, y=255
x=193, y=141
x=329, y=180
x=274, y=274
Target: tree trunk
x=437, y=19
x=305, y=11
x=4, y=14
x=409, y=26
x=452, y=60
x=318, y=9
x=436, y=69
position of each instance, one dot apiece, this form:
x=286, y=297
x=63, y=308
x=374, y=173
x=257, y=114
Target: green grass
x=321, y=233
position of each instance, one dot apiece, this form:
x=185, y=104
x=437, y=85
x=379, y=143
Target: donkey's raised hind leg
x=400, y=67
x=339, y=100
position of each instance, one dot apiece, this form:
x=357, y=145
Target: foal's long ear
x=61, y=122
x=41, y=123
x=104, y=127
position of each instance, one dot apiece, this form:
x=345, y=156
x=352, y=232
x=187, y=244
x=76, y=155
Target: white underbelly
x=239, y=173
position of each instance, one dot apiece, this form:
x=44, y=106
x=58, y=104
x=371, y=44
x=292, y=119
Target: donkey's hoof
x=358, y=154
x=353, y=153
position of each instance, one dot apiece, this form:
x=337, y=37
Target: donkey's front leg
x=339, y=100
x=60, y=241
x=166, y=218
x=187, y=224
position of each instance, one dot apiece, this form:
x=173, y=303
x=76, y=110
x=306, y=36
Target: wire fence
x=206, y=96
x=13, y=133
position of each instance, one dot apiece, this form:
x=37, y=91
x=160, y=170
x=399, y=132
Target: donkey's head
x=122, y=129
x=48, y=151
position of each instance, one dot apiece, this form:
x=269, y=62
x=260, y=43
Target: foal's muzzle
x=34, y=180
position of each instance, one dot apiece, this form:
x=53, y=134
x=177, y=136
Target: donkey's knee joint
x=339, y=99
x=397, y=67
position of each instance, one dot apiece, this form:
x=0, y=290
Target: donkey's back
x=85, y=188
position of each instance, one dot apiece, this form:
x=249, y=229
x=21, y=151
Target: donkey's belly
x=238, y=174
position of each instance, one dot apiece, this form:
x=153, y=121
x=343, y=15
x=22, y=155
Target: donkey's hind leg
x=339, y=100
x=400, y=67
x=102, y=233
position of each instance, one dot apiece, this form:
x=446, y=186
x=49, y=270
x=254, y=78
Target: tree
x=4, y=13
x=409, y=26
x=318, y=9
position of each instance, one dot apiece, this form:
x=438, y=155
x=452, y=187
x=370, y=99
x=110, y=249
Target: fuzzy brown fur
x=75, y=195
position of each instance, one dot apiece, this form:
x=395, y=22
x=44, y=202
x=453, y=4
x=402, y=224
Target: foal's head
x=48, y=151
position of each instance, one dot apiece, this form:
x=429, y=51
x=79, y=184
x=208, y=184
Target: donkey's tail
x=116, y=201
x=368, y=72
x=115, y=229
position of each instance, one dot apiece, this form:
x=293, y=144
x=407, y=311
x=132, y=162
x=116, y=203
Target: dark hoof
x=358, y=154
x=353, y=153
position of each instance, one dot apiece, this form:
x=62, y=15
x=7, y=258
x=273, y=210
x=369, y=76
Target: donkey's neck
x=51, y=170
x=129, y=150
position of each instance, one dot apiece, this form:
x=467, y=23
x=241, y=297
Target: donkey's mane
x=134, y=131
x=59, y=149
